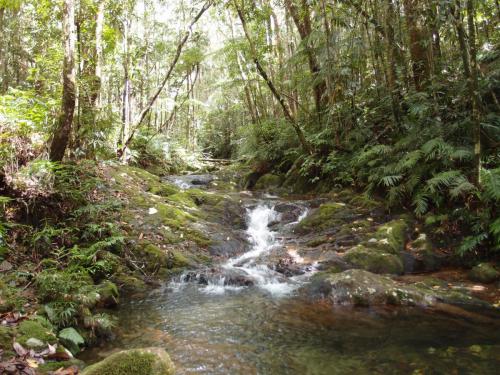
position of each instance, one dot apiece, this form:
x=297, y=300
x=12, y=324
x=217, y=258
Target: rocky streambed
x=313, y=286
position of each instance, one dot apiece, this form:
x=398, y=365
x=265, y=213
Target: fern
x=491, y=184
x=390, y=181
x=421, y=203
x=443, y=179
x=436, y=149
x=470, y=243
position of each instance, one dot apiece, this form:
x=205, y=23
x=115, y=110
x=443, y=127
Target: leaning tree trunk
x=284, y=106
x=302, y=19
x=63, y=129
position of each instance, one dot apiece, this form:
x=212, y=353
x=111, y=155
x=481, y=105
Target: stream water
x=268, y=328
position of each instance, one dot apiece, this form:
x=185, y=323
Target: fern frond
x=436, y=149
x=390, y=181
x=443, y=179
x=421, y=203
x=491, y=183
x=462, y=154
x=408, y=161
x=461, y=187
x=470, y=243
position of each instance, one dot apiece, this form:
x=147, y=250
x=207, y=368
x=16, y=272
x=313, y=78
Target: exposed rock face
x=218, y=276
x=362, y=288
x=151, y=361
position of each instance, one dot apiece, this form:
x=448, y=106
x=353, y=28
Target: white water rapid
x=253, y=264
x=263, y=241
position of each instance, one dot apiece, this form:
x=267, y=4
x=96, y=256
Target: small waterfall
x=263, y=242
x=251, y=266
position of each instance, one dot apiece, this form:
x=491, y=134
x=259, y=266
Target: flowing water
x=268, y=328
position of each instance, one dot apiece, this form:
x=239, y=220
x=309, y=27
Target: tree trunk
x=302, y=19
x=419, y=40
x=99, y=53
x=392, y=56
x=474, y=91
x=170, y=70
x=286, y=111
x=63, y=130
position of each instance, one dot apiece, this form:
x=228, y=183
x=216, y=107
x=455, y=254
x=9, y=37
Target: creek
x=246, y=318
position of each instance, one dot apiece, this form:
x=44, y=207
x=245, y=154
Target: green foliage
x=71, y=339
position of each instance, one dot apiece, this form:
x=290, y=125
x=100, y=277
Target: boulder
x=268, y=181
x=151, y=361
x=484, y=273
x=362, y=288
x=374, y=260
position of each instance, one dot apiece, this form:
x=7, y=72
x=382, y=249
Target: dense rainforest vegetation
x=395, y=100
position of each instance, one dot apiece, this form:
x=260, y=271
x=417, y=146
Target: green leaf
x=71, y=339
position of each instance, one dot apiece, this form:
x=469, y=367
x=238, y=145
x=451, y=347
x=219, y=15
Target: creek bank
x=148, y=230
x=355, y=242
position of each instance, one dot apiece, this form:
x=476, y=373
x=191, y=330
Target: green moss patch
x=326, y=216
x=373, y=260
x=151, y=361
x=32, y=329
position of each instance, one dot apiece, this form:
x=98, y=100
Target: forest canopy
x=395, y=98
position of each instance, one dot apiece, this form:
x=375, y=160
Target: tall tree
x=286, y=110
x=63, y=129
x=302, y=18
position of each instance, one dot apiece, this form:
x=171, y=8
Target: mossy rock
x=6, y=341
x=177, y=260
x=28, y=329
x=10, y=298
x=49, y=367
x=484, y=273
x=163, y=189
x=153, y=256
x=396, y=233
x=173, y=216
x=150, y=361
x=128, y=283
x=268, y=181
x=363, y=288
x=109, y=295
x=374, y=260
x=4, y=251
x=326, y=216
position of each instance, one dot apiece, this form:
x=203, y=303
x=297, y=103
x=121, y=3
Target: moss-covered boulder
x=162, y=189
x=6, y=341
x=150, y=361
x=374, y=260
x=10, y=297
x=484, y=273
x=51, y=366
x=422, y=256
x=108, y=294
x=393, y=235
x=31, y=329
x=128, y=283
x=363, y=288
x=326, y=216
x=268, y=181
